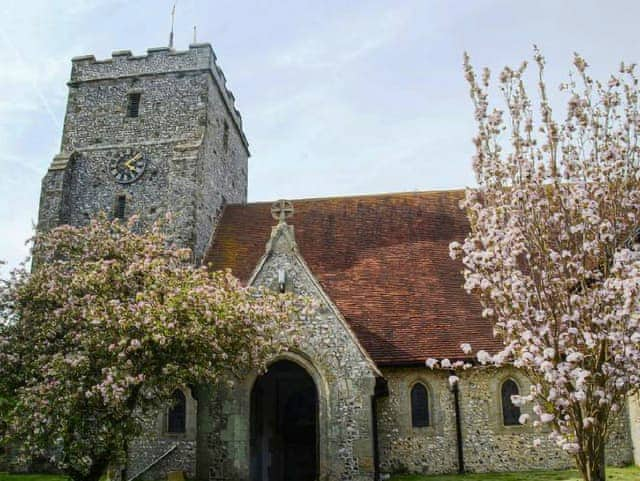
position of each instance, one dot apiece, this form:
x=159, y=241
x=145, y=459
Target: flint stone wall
x=147, y=449
x=342, y=374
x=488, y=445
x=151, y=445
x=187, y=129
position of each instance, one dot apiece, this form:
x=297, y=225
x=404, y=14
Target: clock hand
x=128, y=165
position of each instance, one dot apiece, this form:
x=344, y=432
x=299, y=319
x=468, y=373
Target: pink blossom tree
x=554, y=253
x=104, y=330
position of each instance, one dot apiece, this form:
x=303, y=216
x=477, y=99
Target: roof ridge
x=358, y=196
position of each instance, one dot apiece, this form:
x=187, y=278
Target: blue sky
x=337, y=97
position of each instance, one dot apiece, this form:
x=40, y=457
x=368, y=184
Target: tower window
x=133, y=105
x=121, y=203
x=419, y=406
x=225, y=136
x=510, y=412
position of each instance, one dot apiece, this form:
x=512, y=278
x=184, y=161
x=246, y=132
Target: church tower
x=146, y=135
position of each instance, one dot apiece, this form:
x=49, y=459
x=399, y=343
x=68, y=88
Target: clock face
x=128, y=167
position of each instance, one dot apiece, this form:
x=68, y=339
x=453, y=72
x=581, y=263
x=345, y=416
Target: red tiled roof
x=383, y=260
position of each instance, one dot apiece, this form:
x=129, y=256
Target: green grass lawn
x=613, y=474
x=31, y=477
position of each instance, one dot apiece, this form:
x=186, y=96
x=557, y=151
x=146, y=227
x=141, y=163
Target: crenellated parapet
x=163, y=60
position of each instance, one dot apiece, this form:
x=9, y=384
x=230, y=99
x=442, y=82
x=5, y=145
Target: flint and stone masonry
x=346, y=378
x=342, y=372
x=190, y=136
x=488, y=445
x=187, y=130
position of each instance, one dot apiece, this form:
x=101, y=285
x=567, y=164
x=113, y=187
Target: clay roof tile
x=383, y=260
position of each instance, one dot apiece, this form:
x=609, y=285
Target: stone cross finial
x=281, y=210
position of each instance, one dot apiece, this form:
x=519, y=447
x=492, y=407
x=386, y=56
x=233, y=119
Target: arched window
x=510, y=412
x=177, y=416
x=419, y=406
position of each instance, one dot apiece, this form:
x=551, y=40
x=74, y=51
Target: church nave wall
x=488, y=445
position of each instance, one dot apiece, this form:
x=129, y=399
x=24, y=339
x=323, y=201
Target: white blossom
x=431, y=363
x=553, y=252
x=483, y=357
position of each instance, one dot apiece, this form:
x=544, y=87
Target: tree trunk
x=592, y=466
x=97, y=469
x=600, y=467
x=596, y=473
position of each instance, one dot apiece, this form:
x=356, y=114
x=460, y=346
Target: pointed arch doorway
x=284, y=425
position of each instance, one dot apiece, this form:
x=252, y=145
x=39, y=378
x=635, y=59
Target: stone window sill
x=514, y=429
x=430, y=430
x=176, y=436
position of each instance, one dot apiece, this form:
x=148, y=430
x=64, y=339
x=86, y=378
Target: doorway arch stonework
x=229, y=438
x=321, y=401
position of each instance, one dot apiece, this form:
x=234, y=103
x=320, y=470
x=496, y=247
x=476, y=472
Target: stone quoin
x=159, y=132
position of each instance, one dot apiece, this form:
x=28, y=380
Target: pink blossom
x=547, y=417
x=136, y=319
x=571, y=448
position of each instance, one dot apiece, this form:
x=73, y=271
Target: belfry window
x=133, y=104
x=177, y=415
x=510, y=412
x=419, y=406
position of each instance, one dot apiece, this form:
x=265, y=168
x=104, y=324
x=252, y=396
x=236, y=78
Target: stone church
x=353, y=401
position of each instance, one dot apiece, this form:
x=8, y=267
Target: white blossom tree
x=553, y=252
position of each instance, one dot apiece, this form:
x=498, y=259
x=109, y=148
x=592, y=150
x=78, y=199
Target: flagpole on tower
x=173, y=17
